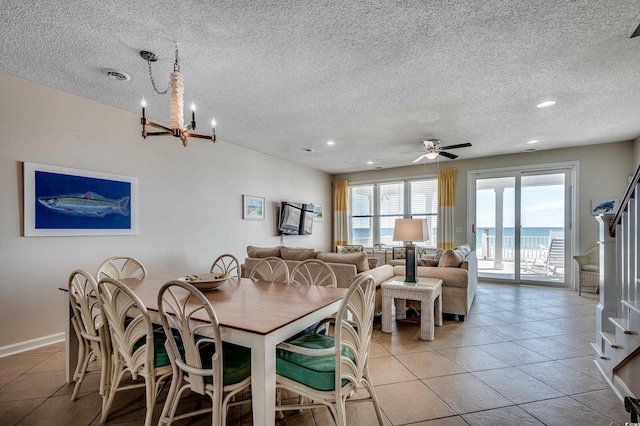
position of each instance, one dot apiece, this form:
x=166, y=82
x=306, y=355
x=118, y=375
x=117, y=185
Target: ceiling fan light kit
x=433, y=150
x=431, y=155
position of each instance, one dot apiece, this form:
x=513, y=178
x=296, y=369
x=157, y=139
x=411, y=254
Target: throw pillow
x=427, y=261
x=358, y=259
x=464, y=250
x=297, y=253
x=261, y=252
x=450, y=259
x=373, y=262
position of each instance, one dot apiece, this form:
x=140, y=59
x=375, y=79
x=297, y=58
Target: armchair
x=349, y=248
x=588, y=270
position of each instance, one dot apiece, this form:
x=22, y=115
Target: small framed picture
x=318, y=211
x=252, y=207
x=604, y=205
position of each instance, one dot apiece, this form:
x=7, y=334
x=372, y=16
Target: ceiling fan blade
x=448, y=155
x=419, y=158
x=460, y=145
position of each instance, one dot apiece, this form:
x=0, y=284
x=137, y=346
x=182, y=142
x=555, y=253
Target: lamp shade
x=411, y=230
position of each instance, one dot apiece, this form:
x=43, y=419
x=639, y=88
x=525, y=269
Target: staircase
x=618, y=314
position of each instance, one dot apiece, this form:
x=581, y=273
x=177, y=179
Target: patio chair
x=205, y=365
x=328, y=370
x=550, y=257
x=226, y=264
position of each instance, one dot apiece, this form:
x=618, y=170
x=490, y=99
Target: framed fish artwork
x=61, y=201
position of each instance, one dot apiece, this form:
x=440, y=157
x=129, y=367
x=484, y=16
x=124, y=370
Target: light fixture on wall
x=411, y=230
x=176, y=87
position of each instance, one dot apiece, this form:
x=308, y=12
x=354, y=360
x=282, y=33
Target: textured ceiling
x=376, y=77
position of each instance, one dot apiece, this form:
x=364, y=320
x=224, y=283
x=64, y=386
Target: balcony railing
x=531, y=247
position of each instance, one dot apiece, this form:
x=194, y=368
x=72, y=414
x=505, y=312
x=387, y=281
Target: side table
x=427, y=290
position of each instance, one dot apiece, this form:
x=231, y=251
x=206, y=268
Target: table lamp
x=411, y=230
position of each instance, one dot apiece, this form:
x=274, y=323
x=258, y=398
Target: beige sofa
x=346, y=266
x=458, y=270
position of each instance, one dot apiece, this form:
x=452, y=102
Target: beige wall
x=190, y=200
x=603, y=173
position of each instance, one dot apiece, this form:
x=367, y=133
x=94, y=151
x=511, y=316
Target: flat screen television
x=295, y=218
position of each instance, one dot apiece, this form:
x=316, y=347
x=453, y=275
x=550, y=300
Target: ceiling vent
x=116, y=75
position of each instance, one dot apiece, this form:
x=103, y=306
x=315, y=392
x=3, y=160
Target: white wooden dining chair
x=271, y=269
x=328, y=370
x=226, y=264
x=206, y=365
x=137, y=348
x=314, y=272
x=120, y=267
x=90, y=328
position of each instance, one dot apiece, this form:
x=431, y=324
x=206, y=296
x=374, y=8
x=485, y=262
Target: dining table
x=252, y=313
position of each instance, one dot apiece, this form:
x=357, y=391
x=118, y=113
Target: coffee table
x=427, y=290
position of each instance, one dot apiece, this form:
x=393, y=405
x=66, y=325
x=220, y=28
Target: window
x=374, y=207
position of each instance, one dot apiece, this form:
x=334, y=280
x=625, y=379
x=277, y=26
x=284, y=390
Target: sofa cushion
x=297, y=253
x=260, y=252
x=427, y=261
x=357, y=259
x=450, y=259
x=591, y=268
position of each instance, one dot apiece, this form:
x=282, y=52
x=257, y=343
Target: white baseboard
x=28, y=345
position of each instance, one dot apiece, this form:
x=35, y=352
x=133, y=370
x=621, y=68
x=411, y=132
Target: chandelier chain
x=176, y=68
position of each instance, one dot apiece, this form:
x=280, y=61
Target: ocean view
x=362, y=234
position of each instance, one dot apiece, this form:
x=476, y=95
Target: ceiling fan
x=433, y=149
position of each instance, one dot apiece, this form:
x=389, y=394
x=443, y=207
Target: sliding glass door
x=522, y=224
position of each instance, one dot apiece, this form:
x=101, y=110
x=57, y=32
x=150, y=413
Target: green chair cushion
x=591, y=268
x=237, y=362
x=317, y=372
x=160, y=356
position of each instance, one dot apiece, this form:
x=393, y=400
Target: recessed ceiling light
x=531, y=150
x=116, y=75
x=308, y=149
x=532, y=141
x=369, y=162
x=331, y=143
x=546, y=104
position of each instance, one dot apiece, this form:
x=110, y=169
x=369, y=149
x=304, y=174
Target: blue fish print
x=606, y=206
x=89, y=204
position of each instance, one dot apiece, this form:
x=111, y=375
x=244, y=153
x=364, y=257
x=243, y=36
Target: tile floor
x=521, y=357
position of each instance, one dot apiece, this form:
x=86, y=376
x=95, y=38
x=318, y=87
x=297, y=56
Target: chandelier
x=176, y=89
